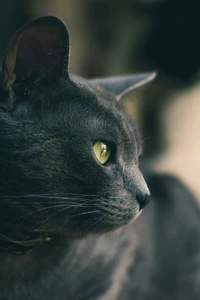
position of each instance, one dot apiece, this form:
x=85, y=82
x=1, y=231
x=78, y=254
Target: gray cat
x=71, y=186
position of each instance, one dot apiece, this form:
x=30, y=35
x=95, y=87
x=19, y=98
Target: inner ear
x=40, y=48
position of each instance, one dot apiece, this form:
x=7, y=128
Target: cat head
x=69, y=154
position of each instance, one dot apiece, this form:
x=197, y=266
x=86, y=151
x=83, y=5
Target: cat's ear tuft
x=122, y=86
x=39, y=49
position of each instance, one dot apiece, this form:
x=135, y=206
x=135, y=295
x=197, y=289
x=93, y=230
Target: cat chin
x=114, y=227
x=109, y=227
x=73, y=231
x=76, y=234
x=136, y=216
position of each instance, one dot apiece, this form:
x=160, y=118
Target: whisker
x=52, y=195
x=64, y=200
x=70, y=216
x=52, y=202
x=39, y=210
x=83, y=213
x=57, y=212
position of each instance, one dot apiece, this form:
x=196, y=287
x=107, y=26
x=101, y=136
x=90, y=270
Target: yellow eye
x=102, y=151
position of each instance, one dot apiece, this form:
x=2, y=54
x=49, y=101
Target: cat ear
x=122, y=86
x=39, y=50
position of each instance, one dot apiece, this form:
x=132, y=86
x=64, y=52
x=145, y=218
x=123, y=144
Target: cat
x=71, y=186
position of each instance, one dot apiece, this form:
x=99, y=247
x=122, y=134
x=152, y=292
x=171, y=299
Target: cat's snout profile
x=143, y=199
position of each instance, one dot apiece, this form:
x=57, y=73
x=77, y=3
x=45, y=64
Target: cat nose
x=143, y=199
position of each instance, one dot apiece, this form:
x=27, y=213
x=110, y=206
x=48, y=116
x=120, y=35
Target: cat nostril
x=143, y=200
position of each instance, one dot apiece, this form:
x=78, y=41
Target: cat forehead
x=104, y=110
x=93, y=94
x=78, y=105
x=103, y=102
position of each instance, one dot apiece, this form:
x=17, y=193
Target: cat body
x=156, y=257
x=66, y=207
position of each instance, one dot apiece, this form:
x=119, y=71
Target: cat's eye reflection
x=102, y=151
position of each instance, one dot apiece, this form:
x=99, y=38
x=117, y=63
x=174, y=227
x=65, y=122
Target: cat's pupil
x=102, y=151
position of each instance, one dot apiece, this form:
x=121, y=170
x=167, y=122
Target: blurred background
x=110, y=37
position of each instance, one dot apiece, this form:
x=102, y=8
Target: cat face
x=69, y=153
